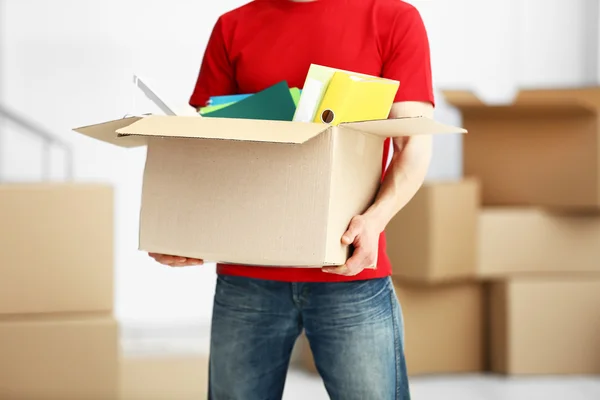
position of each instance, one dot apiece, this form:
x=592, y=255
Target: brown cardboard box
x=306, y=360
x=434, y=237
x=164, y=377
x=255, y=191
x=443, y=325
x=543, y=149
x=523, y=240
x=546, y=326
x=56, y=248
x=49, y=357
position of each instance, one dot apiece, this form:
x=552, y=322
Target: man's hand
x=403, y=179
x=363, y=233
x=175, y=261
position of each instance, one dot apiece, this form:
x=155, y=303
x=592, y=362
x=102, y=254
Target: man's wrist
x=377, y=217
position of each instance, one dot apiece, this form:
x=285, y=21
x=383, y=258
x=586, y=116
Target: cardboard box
x=443, y=328
x=59, y=357
x=526, y=240
x=434, y=237
x=164, y=377
x=546, y=325
x=56, y=248
x=253, y=191
x=543, y=149
x=306, y=360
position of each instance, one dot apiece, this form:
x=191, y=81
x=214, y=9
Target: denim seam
x=397, y=344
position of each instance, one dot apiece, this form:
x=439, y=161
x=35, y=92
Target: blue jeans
x=355, y=331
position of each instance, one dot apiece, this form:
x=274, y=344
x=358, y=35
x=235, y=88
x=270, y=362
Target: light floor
x=302, y=386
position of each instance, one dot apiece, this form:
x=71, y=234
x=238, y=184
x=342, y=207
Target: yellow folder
x=352, y=97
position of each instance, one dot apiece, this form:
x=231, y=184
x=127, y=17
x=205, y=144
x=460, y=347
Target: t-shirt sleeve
x=216, y=76
x=407, y=57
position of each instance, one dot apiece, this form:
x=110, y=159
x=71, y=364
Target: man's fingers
x=171, y=260
x=352, y=232
x=186, y=263
x=180, y=264
x=360, y=260
x=175, y=261
x=348, y=238
x=341, y=270
x=354, y=261
x=352, y=266
x=166, y=259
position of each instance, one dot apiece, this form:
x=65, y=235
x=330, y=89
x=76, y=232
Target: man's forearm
x=407, y=170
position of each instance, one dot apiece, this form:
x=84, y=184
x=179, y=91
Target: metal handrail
x=48, y=138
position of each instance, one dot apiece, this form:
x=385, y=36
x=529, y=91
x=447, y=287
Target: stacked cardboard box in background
x=58, y=336
x=538, y=161
x=164, y=376
x=432, y=246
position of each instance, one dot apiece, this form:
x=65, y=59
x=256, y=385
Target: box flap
x=588, y=98
x=408, y=126
x=462, y=99
x=561, y=101
x=224, y=128
x=107, y=132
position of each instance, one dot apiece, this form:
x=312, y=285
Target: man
x=350, y=314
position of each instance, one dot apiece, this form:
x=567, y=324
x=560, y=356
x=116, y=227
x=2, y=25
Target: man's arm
x=404, y=177
x=407, y=170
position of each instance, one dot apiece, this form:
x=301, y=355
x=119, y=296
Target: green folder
x=274, y=103
x=295, y=92
x=209, y=109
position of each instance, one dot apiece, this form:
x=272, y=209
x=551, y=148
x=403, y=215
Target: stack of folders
x=277, y=102
x=331, y=96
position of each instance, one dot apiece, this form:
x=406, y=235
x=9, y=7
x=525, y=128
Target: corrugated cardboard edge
x=248, y=130
x=406, y=126
x=107, y=132
x=131, y=132
x=219, y=258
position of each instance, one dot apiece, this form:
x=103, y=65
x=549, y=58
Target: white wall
x=70, y=62
x=562, y=46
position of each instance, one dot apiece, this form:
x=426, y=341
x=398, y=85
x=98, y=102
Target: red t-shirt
x=267, y=41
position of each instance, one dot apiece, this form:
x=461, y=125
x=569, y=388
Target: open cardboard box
x=256, y=192
x=541, y=149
